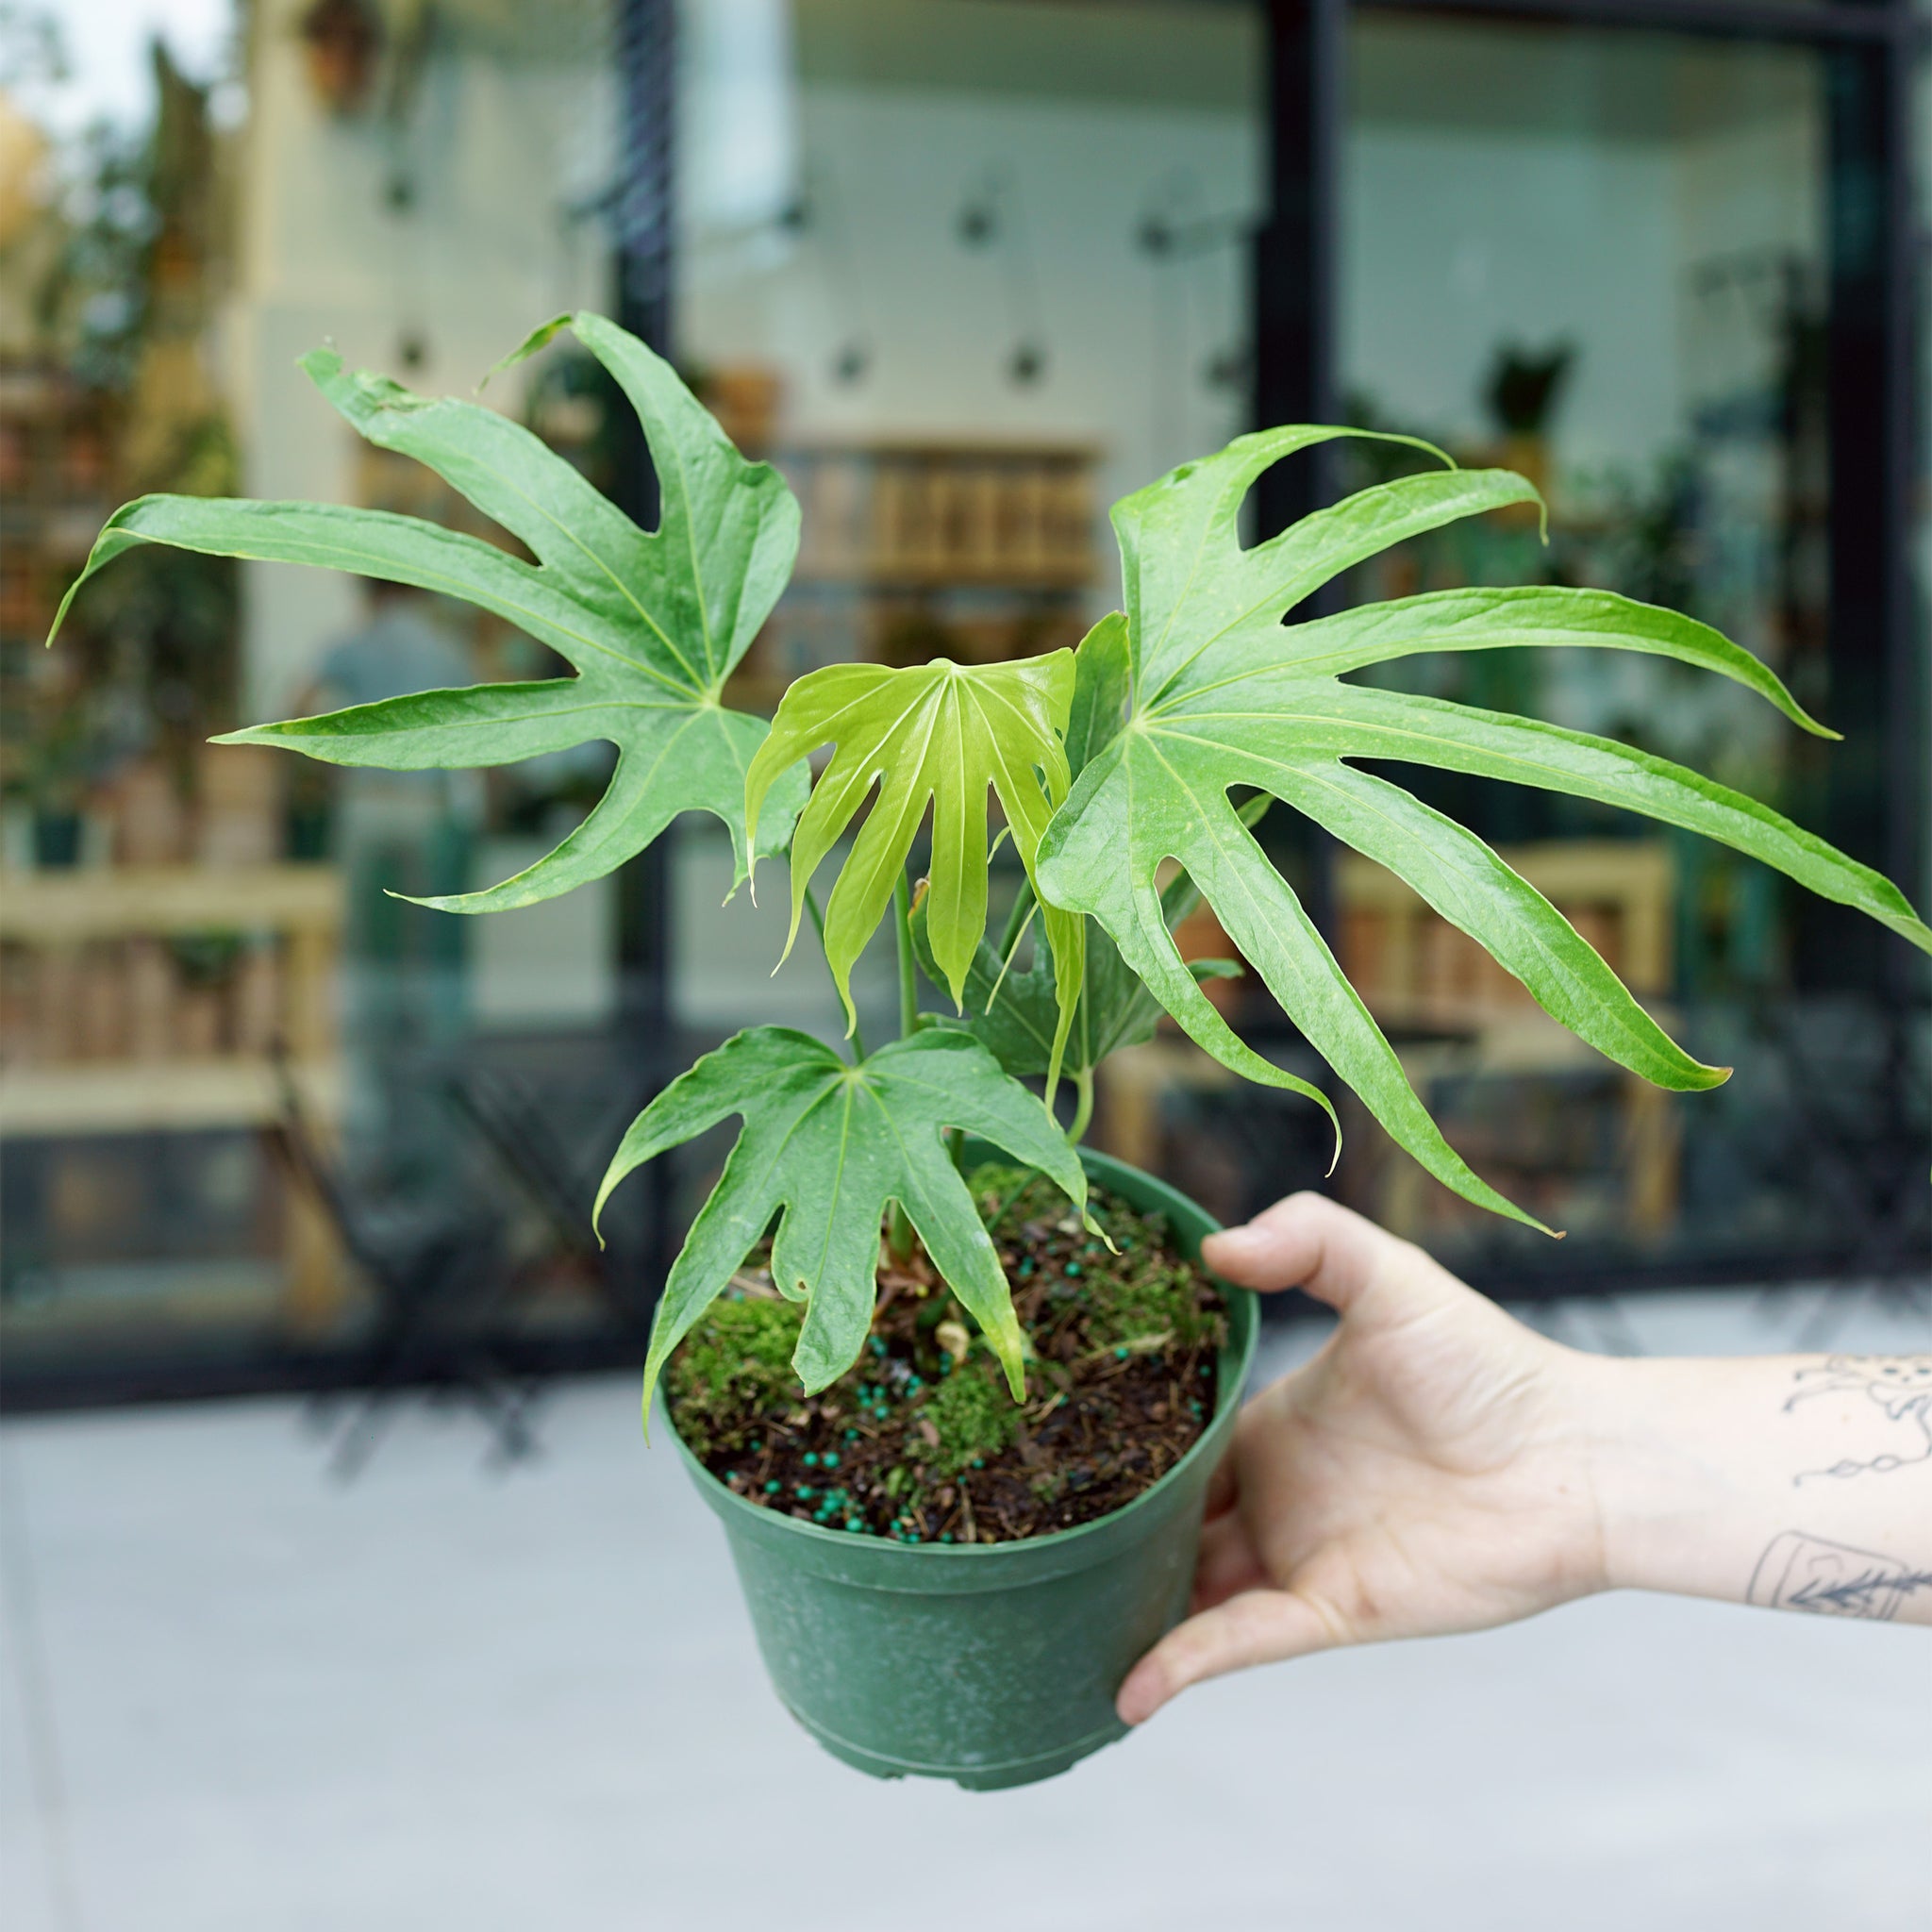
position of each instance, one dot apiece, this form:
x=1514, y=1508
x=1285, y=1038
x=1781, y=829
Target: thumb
x=1331, y=1253
x=1260, y=1626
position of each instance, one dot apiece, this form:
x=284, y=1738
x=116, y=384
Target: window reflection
x=1599, y=259
x=968, y=271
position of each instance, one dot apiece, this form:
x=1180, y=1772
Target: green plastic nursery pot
x=996, y=1664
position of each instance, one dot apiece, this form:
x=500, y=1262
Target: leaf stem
x=1083, y=1107
x=818, y=920
x=909, y=972
x=898, y=1228
x=1017, y=918
x=899, y=1234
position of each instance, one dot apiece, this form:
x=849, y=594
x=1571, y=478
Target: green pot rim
x=1237, y=1357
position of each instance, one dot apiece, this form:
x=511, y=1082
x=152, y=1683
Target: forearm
x=1795, y=1482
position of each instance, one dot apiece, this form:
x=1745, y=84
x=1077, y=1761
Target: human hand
x=1429, y=1470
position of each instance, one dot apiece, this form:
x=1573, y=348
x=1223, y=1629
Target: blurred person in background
x=397, y=836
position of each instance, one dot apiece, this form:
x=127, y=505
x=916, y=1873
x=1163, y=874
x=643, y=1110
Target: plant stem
x=1023, y=907
x=898, y=1228
x=818, y=920
x=908, y=969
x=1083, y=1107
x=899, y=1234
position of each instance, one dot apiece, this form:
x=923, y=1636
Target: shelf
x=157, y=1096
x=963, y=446
x=933, y=515
x=91, y=991
x=111, y=903
x=862, y=577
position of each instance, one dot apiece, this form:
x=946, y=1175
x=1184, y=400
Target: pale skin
x=1439, y=1467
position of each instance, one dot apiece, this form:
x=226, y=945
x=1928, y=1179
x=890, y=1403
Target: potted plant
x=901, y=1184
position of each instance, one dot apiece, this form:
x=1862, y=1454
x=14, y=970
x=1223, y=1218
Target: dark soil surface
x=922, y=1442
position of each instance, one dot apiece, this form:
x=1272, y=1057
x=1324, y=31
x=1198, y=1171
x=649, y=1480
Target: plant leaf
x=1473, y=890
x=1224, y=694
x=1486, y=619
x=651, y=622
x=1014, y=1014
x=1349, y=720
x=937, y=734
x=827, y=1144
x=1103, y=680
x=1190, y=584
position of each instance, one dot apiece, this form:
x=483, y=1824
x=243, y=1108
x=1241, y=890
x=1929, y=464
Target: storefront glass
x=968, y=271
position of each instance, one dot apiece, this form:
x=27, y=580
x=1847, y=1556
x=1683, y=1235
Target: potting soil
x=922, y=1442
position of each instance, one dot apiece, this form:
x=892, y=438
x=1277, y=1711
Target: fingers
x=1223, y=1486
x=1259, y=1626
x=1306, y=1242
x=1228, y=1564
x=1329, y=1251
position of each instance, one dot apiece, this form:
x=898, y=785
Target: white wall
x=889, y=170
x=1454, y=240
x=496, y=147
x=1504, y=185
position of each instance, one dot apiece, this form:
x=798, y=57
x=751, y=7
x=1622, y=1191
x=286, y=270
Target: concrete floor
x=240, y=1697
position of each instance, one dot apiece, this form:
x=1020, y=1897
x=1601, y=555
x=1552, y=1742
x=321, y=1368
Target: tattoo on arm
x=1806, y=1572
x=1900, y=1386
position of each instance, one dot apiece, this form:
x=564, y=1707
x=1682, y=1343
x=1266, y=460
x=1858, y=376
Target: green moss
x=974, y=1415
x=1134, y=1297
x=1146, y=1304
x=1009, y=1196
x=734, y=1366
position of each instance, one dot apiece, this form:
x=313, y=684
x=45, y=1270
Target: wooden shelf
x=162, y=1054
x=44, y=908
x=157, y=1096
x=1076, y=575
x=933, y=514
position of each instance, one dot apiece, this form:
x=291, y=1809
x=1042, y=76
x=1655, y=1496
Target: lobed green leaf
x=1219, y=691
x=1483, y=619
x=1452, y=869
x=824, y=1145
x=937, y=735
x=1013, y=1009
x=650, y=622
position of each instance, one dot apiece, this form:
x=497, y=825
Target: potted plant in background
x=953, y=1385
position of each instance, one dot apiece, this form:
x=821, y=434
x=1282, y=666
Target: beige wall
x=499, y=141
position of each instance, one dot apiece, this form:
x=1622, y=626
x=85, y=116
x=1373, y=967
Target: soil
x=922, y=1442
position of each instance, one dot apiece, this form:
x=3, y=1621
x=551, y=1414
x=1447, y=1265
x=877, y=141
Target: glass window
x=968, y=271
x=979, y=270
x=1602, y=259
x=183, y=217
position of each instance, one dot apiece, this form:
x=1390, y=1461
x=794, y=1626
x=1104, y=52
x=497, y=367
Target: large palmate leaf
x=829, y=1144
x=652, y=621
x=1218, y=692
x=938, y=734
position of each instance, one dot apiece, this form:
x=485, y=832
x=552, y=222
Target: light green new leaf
x=1220, y=692
x=829, y=1144
x=937, y=734
x=652, y=621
